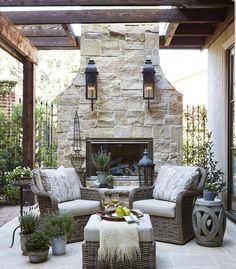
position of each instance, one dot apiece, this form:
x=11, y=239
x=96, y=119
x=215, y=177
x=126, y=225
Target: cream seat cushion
x=145, y=230
x=172, y=180
x=80, y=207
x=155, y=207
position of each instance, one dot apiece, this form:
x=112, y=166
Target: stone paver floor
x=169, y=256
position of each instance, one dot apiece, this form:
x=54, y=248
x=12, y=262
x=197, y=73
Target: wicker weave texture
x=147, y=260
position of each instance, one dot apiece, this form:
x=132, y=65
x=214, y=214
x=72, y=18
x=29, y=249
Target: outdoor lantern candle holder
x=91, y=82
x=148, y=81
x=145, y=170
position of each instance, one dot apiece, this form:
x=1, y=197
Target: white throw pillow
x=58, y=182
x=172, y=180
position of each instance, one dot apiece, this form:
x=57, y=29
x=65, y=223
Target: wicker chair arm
x=141, y=193
x=184, y=205
x=91, y=194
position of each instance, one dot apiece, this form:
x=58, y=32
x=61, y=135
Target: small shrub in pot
x=37, y=247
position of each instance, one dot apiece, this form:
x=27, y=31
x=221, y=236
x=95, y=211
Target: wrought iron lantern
x=91, y=82
x=145, y=170
x=148, y=81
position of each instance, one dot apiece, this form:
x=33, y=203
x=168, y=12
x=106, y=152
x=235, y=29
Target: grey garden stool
x=209, y=222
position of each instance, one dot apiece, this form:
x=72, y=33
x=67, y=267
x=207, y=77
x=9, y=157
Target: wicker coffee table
x=91, y=245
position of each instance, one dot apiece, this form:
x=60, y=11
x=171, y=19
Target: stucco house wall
x=217, y=95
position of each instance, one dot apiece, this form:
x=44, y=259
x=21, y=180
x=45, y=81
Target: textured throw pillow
x=38, y=180
x=173, y=180
x=57, y=182
x=74, y=182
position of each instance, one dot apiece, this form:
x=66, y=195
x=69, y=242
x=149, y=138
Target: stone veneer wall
x=120, y=52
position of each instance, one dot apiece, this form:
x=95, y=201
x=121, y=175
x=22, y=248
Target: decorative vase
x=208, y=195
x=59, y=245
x=102, y=177
x=38, y=256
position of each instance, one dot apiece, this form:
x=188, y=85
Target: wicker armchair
x=49, y=203
x=177, y=229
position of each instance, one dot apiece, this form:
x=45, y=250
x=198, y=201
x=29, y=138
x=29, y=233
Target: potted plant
x=110, y=181
x=28, y=222
x=57, y=226
x=37, y=247
x=18, y=177
x=214, y=183
x=101, y=162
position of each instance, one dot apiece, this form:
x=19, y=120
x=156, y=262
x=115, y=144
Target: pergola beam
x=11, y=35
x=117, y=16
x=179, y=3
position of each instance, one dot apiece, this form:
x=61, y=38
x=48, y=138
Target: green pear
x=119, y=211
x=126, y=211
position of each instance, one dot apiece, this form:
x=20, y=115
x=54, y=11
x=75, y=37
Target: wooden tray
x=108, y=215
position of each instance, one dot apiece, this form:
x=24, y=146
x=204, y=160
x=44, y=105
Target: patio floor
x=189, y=256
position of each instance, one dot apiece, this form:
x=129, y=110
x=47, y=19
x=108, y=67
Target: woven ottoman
x=91, y=245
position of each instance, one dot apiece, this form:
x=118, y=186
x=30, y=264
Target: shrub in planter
x=57, y=227
x=214, y=183
x=37, y=246
x=29, y=222
x=101, y=162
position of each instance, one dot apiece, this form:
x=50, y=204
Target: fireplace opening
x=125, y=154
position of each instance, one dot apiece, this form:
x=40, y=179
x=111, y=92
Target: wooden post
x=28, y=114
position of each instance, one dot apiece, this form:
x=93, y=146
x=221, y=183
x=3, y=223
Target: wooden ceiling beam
x=12, y=36
x=195, y=29
x=70, y=35
x=179, y=3
x=117, y=16
x=51, y=42
x=42, y=30
x=170, y=33
x=181, y=41
x=221, y=28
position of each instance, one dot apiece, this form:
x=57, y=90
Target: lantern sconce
x=146, y=170
x=91, y=82
x=148, y=81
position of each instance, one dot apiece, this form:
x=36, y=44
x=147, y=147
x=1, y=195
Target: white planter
x=59, y=245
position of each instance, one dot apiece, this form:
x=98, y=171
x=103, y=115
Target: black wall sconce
x=148, y=81
x=91, y=82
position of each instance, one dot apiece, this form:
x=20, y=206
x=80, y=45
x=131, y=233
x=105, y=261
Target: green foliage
x=101, y=160
x=29, y=222
x=17, y=173
x=11, y=134
x=110, y=178
x=37, y=241
x=12, y=192
x=55, y=224
x=195, y=135
x=6, y=87
x=214, y=181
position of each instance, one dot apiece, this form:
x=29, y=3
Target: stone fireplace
x=120, y=115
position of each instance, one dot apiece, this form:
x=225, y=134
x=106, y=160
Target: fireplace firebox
x=125, y=154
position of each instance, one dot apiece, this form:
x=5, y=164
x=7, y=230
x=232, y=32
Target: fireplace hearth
x=125, y=154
